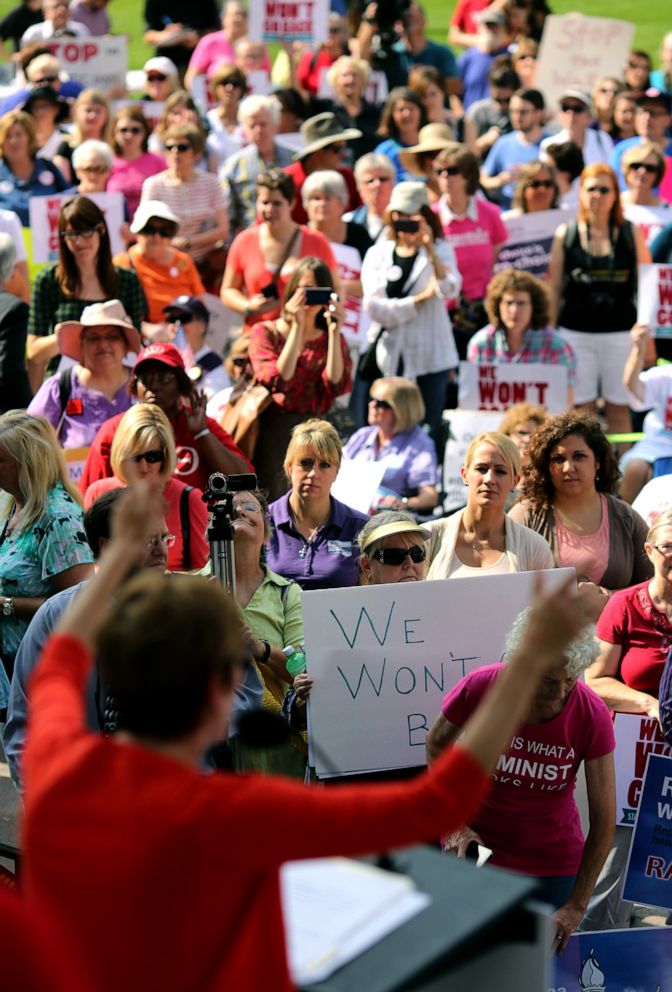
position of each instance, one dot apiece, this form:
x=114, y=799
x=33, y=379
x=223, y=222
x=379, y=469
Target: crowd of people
x=283, y=267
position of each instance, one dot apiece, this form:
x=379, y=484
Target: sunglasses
x=449, y=170
x=96, y=170
x=130, y=130
x=380, y=404
x=45, y=81
x=239, y=363
x=573, y=108
x=178, y=148
x=603, y=190
x=86, y=235
x=652, y=169
x=153, y=457
x=339, y=147
x=162, y=232
x=638, y=65
x=397, y=556
x=156, y=77
x=540, y=184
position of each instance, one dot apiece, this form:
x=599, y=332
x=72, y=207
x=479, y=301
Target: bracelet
x=202, y=433
x=267, y=651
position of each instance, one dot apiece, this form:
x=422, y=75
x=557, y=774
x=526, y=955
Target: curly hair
x=537, y=487
x=516, y=281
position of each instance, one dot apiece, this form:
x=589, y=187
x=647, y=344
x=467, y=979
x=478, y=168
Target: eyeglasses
x=248, y=507
x=96, y=170
x=652, y=169
x=540, y=184
x=162, y=232
x=45, y=81
x=149, y=376
x=182, y=147
x=397, y=556
x=573, y=108
x=159, y=539
x=112, y=336
x=239, y=363
x=130, y=130
x=449, y=170
x=664, y=549
x=86, y=235
x=602, y=190
x=380, y=404
x=526, y=58
x=377, y=179
x=153, y=457
x=156, y=77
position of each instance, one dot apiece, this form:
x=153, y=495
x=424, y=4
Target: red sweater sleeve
x=98, y=465
x=226, y=440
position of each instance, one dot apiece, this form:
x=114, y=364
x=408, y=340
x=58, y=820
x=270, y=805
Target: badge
x=46, y=178
x=6, y=186
x=394, y=273
x=173, y=273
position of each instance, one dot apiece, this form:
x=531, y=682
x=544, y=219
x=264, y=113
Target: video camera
x=218, y=496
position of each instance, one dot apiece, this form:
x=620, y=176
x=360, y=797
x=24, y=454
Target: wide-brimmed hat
x=51, y=96
x=149, y=209
x=163, y=352
x=396, y=527
x=432, y=138
x=408, y=198
x=580, y=94
x=322, y=130
x=110, y=313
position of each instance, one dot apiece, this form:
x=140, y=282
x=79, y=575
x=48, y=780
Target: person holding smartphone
x=303, y=360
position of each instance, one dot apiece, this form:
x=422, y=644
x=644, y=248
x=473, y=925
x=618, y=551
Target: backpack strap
x=64, y=392
x=185, y=524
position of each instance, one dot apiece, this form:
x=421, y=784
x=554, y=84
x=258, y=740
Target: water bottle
x=296, y=659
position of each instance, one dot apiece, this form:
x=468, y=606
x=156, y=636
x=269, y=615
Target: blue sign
x=635, y=960
x=648, y=877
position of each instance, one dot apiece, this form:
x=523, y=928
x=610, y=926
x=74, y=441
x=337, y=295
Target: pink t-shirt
x=587, y=553
x=214, y=50
x=128, y=177
x=529, y=817
x=474, y=239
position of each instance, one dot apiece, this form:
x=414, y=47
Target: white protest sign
x=289, y=20
x=44, y=212
x=97, y=63
x=636, y=737
x=357, y=483
x=464, y=426
x=528, y=246
x=383, y=657
x=577, y=50
x=497, y=387
x=654, y=299
x=151, y=109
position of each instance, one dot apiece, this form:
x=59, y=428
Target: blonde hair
x=663, y=519
x=31, y=441
x=318, y=435
x=504, y=445
x=405, y=399
x=348, y=61
x=136, y=430
x=12, y=117
x=90, y=96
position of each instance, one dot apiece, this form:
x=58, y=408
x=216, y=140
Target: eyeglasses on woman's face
x=539, y=184
x=85, y=235
x=129, y=129
x=158, y=229
x=646, y=166
x=380, y=404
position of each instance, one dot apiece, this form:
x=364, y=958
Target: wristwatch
x=8, y=606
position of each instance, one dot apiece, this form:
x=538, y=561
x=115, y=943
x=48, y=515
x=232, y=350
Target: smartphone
x=318, y=296
x=270, y=291
x=406, y=226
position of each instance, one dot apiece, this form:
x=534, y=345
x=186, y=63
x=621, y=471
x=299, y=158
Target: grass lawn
x=651, y=16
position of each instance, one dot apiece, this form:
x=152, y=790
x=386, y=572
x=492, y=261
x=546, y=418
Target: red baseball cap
x=163, y=352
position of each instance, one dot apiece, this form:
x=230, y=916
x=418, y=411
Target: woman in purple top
x=314, y=539
x=394, y=439
x=77, y=401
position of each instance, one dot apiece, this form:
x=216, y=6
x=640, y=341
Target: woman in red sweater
x=163, y=877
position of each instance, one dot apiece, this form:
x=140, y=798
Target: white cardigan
x=423, y=334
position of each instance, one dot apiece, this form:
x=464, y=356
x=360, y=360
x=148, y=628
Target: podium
x=481, y=931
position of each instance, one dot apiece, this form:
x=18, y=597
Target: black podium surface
x=474, y=913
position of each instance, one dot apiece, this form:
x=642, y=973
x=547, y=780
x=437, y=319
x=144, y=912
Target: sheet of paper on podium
x=335, y=909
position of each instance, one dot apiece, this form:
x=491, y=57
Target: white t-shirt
x=650, y=220
x=657, y=383
x=597, y=145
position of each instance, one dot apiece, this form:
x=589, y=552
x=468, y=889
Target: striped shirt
x=239, y=176
x=195, y=203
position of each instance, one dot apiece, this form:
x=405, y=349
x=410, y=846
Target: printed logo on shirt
x=46, y=178
x=343, y=548
x=187, y=460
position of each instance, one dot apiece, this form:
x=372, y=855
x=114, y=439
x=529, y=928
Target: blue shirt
x=433, y=54
x=69, y=90
x=15, y=194
x=391, y=148
x=409, y=458
x=474, y=67
x=507, y=151
x=329, y=561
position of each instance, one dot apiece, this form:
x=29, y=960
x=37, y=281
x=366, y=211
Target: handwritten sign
x=649, y=872
x=614, y=961
x=636, y=738
x=383, y=657
x=528, y=246
x=289, y=20
x=44, y=212
x=654, y=299
x=97, y=63
x=497, y=387
x=577, y=50
x=465, y=425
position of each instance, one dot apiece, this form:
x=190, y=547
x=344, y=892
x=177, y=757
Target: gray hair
x=253, y=104
x=379, y=520
x=579, y=653
x=7, y=256
x=326, y=181
x=92, y=149
x=371, y=161
x=360, y=66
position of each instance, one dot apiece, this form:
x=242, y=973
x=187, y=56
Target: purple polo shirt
x=409, y=458
x=86, y=410
x=329, y=561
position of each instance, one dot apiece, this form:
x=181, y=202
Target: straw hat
x=111, y=313
x=432, y=138
x=396, y=527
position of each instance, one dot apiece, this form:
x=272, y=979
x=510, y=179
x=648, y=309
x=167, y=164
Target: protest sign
x=636, y=960
x=464, y=426
x=654, y=299
x=528, y=245
x=648, y=876
x=357, y=483
x=44, y=212
x=497, y=387
x=289, y=20
x=96, y=63
x=577, y=50
x=75, y=459
x=383, y=657
x=636, y=737
x=151, y=109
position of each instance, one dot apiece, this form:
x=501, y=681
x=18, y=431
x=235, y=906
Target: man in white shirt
x=576, y=113
x=56, y=24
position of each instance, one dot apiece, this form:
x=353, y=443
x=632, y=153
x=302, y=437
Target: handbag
x=368, y=369
x=241, y=415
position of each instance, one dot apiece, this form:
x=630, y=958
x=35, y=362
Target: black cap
x=190, y=305
x=656, y=96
